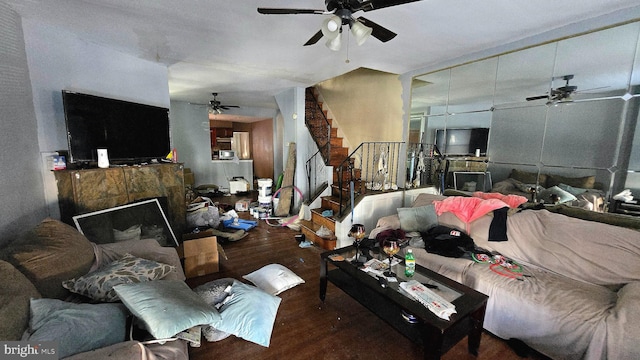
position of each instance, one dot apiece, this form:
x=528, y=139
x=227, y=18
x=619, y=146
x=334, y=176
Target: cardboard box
x=200, y=253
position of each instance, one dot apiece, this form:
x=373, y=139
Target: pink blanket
x=468, y=209
x=512, y=200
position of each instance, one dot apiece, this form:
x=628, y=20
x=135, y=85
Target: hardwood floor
x=306, y=328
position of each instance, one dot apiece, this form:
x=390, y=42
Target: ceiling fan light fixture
x=331, y=27
x=360, y=32
x=335, y=43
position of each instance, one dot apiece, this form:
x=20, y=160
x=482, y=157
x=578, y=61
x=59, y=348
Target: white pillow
x=274, y=278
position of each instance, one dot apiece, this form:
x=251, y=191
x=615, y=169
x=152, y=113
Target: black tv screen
x=129, y=131
x=462, y=141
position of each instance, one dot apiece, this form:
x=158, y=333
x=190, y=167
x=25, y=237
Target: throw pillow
x=249, y=313
x=274, y=278
x=49, y=254
x=99, y=284
x=76, y=327
x=166, y=307
x=420, y=218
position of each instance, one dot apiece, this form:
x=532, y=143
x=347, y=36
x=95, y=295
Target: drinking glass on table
x=390, y=247
x=357, y=233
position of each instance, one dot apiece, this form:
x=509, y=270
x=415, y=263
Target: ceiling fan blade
x=379, y=32
x=379, y=4
x=227, y=107
x=537, y=97
x=591, y=90
x=281, y=11
x=314, y=39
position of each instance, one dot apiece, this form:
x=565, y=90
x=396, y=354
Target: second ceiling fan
x=216, y=107
x=341, y=12
x=558, y=94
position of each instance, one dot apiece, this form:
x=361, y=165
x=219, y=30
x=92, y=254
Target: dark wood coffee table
x=435, y=334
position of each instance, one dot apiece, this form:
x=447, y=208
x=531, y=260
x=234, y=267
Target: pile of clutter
x=203, y=213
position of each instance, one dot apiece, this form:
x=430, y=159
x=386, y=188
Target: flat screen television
x=462, y=141
x=130, y=132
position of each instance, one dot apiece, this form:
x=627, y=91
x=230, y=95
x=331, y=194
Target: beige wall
x=366, y=104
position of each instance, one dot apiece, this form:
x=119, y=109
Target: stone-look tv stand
x=83, y=191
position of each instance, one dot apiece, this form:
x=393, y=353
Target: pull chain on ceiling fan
x=341, y=12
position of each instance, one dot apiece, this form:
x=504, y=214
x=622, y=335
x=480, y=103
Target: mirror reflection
x=565, y=110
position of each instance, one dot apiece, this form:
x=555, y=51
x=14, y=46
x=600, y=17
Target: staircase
x=372, y=167
x=325, y=134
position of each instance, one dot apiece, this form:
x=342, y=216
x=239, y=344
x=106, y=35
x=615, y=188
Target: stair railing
x=318, y=124
x=373, y=167
x=317, y=176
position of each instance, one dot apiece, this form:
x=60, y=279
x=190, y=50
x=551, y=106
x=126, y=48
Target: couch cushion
x=49, y=254
x=134, y=350
x=76, y=327
x=555, y=315
x=585, y=182
x=15, y=292
x=583, y=250
x=623, y=331
x=126, y=350
x=528, y=177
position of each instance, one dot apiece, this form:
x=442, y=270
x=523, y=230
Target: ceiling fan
x=341, y=12
x=562, y=93
x=215, y=107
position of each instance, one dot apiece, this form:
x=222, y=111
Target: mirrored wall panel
x=565, y=109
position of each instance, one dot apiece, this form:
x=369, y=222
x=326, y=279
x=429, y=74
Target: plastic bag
x=324, y=232
x=203, y=213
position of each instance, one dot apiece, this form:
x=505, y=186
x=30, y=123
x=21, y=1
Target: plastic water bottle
x=409, y=263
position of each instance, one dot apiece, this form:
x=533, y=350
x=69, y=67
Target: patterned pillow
x=99, y=284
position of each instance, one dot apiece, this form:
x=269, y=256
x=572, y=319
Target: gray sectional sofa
x=34, y=302
x=579, y=297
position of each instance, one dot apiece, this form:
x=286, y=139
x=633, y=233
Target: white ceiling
x=229, y=48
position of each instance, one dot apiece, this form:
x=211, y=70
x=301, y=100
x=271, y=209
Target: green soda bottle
x=409, y=263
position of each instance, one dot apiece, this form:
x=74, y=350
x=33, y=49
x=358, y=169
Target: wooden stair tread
x=309, y=229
